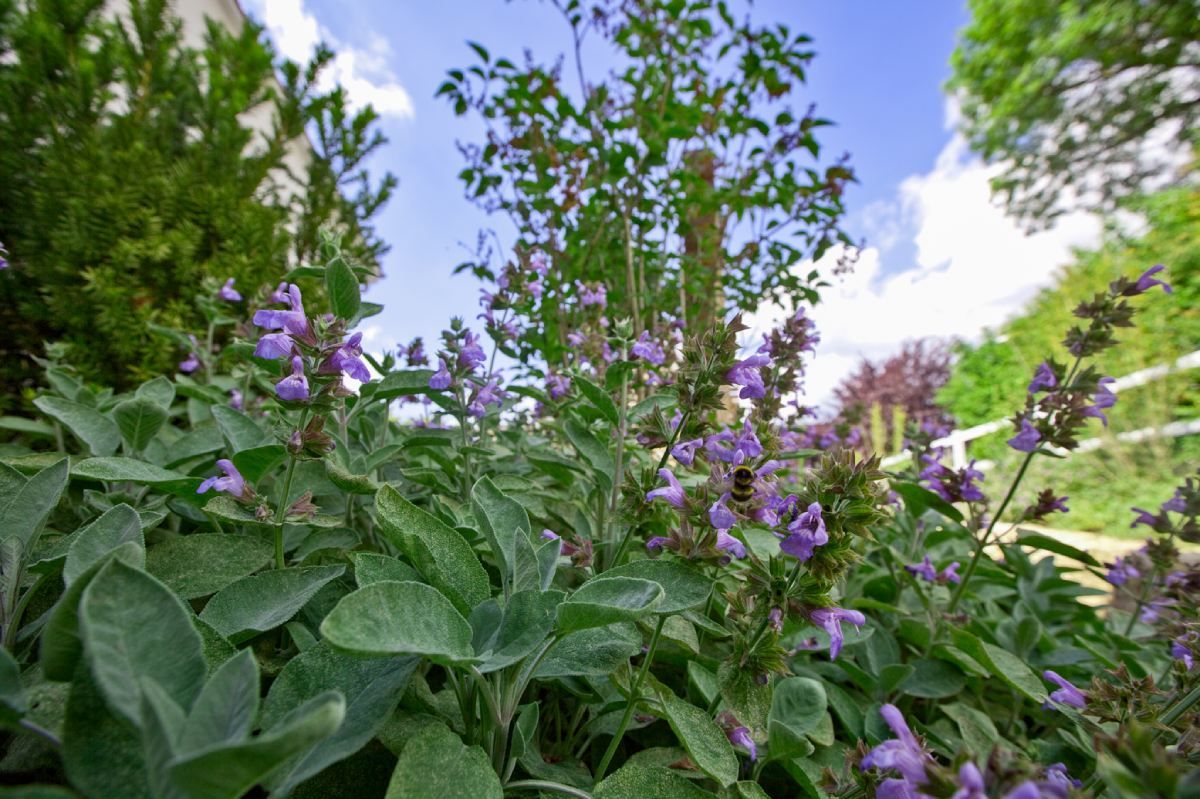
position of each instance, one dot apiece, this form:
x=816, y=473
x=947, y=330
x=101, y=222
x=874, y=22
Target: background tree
x=129, y=182
x=1068, y=95
x=683, y=180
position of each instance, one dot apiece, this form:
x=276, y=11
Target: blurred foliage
x=1082, y=102
x=129, y=174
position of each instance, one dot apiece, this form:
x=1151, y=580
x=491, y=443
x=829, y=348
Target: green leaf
x=347, y=481
x=708, y=747
x=133, y=628
x=97, y=431
x=128, y=470
x=1001, y=663
x=399, y=619
x=256, y=462
x=918, y=498
x=643, y=782
x=13, y=704
x=524, y=624
x=372, y=688
x=594, y=452
x=439, y=553
x=933, y=679
x=797, y=706
x=160, y=391
x=404, y=383
x=118, y=525
x=371, y=567
x=61, y=646
x=436, y=764
x=226, y=708
x=599, y=398
x=27, y=511
x=504, y=523
x=139, y=421
x=265, y=601
x=975, y=726
x=239, y=429
x=605, y=600
x=102, y=753
x=598, y=652
x=1029, y=538
x=683, y=586
x=344, y=293
x=227, y=772
x=201, y=564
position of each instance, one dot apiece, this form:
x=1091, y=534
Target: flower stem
x=546, y=785
x=634, y=694
x=281, y=508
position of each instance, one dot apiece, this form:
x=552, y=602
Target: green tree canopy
x=1067, y=93
x=131, y=179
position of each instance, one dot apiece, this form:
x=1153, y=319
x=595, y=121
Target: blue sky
x=941, y=259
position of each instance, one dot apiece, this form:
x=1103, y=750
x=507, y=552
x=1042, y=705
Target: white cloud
x=364, y=72
x=974, y=268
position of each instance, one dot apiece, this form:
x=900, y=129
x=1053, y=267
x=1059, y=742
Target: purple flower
x=232, y=483
x=236, y=401
x=740, y=736
x=1176, y=504
x=592, y=296
x=970, y=783
x=535, y=289
x=1102, y=400
x=280, y=294
x=347, y=359
x=925, y=570
x=743, y=447
x=295, y=386
x=488, y=394
x=557, y=386
x=657, y=542
x=747, y=373
x=228, y=293
x=903, y=753
x=292, y=321
x=805, y=533
x=719, y=515
x=1147, y=281
x=685, y=451
x=189, y=364
x=274, y=345
x=576, y=339
x=950, y=574
x=1181, y=650
x=730, y=544
x=1043, y=379
x=672, y=492
x=775, y=619
x=1144, y=517
x=1027, y=439
x=414, y=353
x=830, y=620
x=648, y=349
x=3, y=256
x=1067, y=693
x=1122, y=571
x=441, y=379
x=471, y=354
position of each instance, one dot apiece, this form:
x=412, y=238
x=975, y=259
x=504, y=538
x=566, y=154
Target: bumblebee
x=743, y=483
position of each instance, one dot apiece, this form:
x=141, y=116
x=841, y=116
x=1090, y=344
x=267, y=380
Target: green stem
x=966, y=578
x=1181, y=707
x=547, y=785
x=619, y=471
x=635, y=690
x=14, y=621
x=281, y=509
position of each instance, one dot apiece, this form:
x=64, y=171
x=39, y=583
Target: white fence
x=957, y=440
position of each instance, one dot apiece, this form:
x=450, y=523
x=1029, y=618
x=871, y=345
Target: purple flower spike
x=648, y=349
x=295, y=386
x=925, y=570
x=274, y=346
x=236, y=400
x=592, y=296
x=228, y=292
x=1067, y=693
x=672, y=492
x=232, y=483
x=441, y=378
x=806, y=533
x=656, y=543
x=1102, y=400
x=1180, y=650
x=347, y=359
x=950, y=574
x=189, y=364
x=1122, y=571
x=1043, y=379
x=471, y=354
x=903, y=753
x=1144, y=517
x=740, y=736
x=830, y=620
x=1027, y=439
x=557, y=386
x=729, y=544
x=970, y=783
x=719, y=515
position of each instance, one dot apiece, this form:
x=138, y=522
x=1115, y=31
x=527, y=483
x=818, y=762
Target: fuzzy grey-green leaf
x=399, y=618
